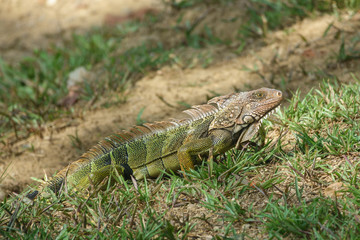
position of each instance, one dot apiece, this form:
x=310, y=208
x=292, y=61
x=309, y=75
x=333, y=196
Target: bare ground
x=301, y=56
x=29, y=25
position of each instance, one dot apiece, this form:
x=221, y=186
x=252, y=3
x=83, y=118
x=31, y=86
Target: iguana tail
x=94, y=165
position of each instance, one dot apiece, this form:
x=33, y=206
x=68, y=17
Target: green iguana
x=213, y=128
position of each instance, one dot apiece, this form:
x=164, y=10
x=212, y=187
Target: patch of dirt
x=28, y=25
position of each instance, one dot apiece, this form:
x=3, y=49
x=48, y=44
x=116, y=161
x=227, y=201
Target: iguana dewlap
x=221, y=124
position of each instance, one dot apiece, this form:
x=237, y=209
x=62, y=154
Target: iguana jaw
x=239, y=127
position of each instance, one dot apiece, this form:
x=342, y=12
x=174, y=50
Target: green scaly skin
x=223, y=123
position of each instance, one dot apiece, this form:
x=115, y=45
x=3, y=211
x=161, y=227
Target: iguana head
x=243, y=112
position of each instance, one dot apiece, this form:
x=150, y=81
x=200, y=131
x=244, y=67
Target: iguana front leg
x=218, y=140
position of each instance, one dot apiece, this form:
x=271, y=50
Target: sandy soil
x=301, y=56
x=27, y=25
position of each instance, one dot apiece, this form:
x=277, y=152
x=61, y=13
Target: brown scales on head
x=244, y=111
x=245, y=108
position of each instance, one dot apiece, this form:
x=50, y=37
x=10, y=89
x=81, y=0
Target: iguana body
x=221, y=124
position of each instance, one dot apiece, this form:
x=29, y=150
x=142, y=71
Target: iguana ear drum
x=245, y=120
x=248, y=119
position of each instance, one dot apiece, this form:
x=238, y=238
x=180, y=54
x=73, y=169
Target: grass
x=326, y=129
x=278, y=191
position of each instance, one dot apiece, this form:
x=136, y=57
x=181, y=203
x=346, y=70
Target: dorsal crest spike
x=201, y=111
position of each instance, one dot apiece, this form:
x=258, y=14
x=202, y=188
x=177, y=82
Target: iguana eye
x=259, y=95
